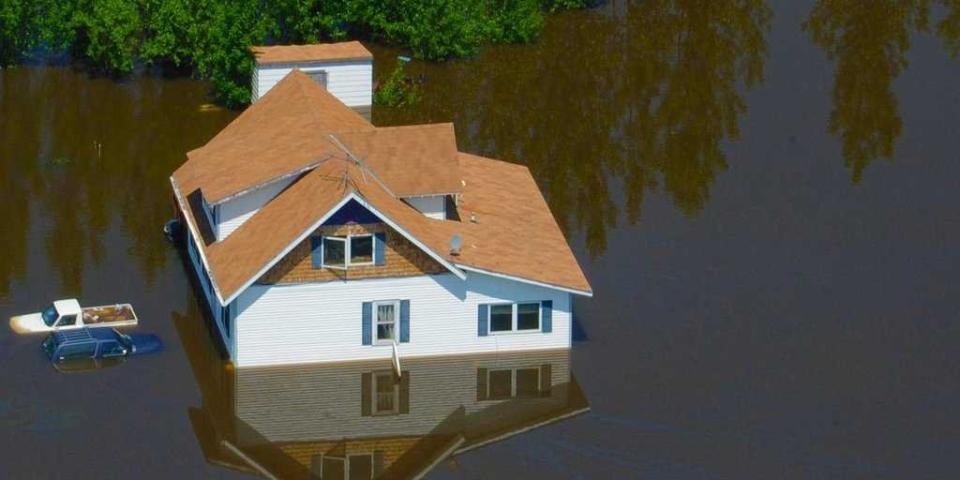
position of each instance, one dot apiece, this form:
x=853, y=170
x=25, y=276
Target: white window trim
x=513, y=381
x=396, y=394
x=347, y=261
x=346, y=462
x=396, y=322
x=513, y=323
x=373, y=250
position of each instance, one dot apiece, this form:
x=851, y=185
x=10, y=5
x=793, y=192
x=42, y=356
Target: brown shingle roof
x=306, y=53
x=411, y=160
x=283, y=132
x=515, y=233
x=287, y=133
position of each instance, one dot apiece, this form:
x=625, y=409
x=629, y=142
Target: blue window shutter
x=316, y=245
x=546, y=316
x=380, y=248
x=367, y=324
x=404, y=321
x=482, y=319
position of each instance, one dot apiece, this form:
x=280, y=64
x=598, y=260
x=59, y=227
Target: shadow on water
x=638, y=95
x=869, y=40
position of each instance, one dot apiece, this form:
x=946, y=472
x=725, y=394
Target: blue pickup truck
x=97, y=343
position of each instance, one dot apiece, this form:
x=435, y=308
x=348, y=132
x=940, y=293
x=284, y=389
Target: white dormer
x=345, y=69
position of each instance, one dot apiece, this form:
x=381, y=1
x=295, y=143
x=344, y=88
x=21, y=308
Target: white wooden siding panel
x=433, y=206
x=321, y=322
x=235, y=212
x=313, y=402
x=351, y=82
x=212, y=304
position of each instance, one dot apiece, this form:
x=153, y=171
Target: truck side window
x=67, y=320
x=111, y=348
x=81, y=350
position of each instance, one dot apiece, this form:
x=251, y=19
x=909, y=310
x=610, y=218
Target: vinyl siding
x=351, y=82
x=314, y=402
x=280, y=324
x=432, y=206
x=212, y=304
x=235, y=212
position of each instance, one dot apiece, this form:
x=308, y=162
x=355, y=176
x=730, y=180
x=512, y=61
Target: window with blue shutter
x=482, y=320
x=404, y=321
x=366, y=324
x=380, y=248
x=316, y=249
x=546, y=316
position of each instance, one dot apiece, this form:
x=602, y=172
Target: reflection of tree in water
x=91, y=203
x=868, y=40
x=644, y=92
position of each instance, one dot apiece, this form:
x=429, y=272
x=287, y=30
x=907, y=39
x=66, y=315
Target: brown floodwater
x=764, y=196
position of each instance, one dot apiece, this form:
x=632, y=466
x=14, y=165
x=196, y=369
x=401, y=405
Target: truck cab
x=58, y=315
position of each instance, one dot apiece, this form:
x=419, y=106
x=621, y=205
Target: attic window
x=319, y=76
x=348, y=251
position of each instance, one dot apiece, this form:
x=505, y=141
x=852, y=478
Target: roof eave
x=575, y=291
x=195, y=235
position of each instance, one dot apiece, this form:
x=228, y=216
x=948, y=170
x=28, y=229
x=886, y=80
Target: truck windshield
x=49, y=315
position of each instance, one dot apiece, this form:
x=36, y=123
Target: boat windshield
x=50, y=315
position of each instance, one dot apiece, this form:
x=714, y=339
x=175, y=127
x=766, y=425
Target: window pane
x=361, y=467
x=67, y=320
x=84, y=350
x=501, y=318
x=528, y=316
x=528, y=382
x=333, y=468
x=500, y=384
x=334, y=251
x=385, y=313
x=361, y=249
x=385, y=331
x=319, y=77
x=385, y=388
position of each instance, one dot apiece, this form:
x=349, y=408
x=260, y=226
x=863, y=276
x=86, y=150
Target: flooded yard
x=764, y=196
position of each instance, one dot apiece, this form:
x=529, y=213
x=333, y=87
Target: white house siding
x=314, y=402
x=213, y=305
x=235, y=212
x=433, y=206
x=321, y=322
x=350, y=81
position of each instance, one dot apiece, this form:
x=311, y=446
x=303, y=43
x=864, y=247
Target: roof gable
x=412, y=160
x=282, y=133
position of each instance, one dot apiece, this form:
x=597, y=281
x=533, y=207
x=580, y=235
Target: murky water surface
x=764, y=196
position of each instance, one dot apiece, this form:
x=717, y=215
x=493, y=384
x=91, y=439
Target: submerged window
x=513, y=383
x=386, y=394
x=515, y=317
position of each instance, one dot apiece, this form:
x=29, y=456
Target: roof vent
x=456, y=243
x=473, y=218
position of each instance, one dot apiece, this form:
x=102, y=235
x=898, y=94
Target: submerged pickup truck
x=67, y=314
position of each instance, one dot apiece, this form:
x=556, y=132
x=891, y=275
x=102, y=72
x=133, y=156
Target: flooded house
x=358, y=420
x=317, y=236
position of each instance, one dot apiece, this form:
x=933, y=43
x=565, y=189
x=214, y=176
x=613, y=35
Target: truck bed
x=109, y=315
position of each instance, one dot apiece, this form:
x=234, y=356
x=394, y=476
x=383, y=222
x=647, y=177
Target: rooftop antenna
x=456, y=243
x=362, y=165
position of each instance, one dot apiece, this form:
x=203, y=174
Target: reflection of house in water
x=357, y=420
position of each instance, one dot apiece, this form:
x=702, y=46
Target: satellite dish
x=456, y=243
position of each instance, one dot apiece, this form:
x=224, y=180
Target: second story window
x=348, y=251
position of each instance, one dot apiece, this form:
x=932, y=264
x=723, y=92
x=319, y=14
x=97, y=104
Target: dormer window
x=341, y=252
